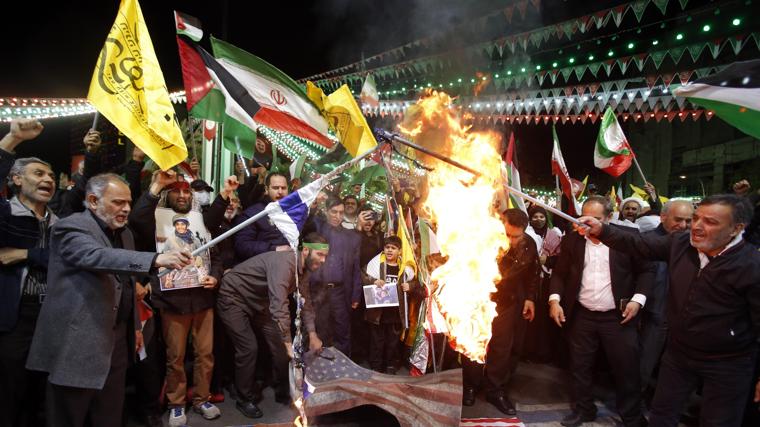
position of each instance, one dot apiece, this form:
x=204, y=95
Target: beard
x=110, y=219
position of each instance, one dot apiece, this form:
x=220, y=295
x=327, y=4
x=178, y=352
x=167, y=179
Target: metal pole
x=432, y=349
x=545, y=206
x=95, y=120
x=382, y=133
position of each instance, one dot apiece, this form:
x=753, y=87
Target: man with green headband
x=255, y=294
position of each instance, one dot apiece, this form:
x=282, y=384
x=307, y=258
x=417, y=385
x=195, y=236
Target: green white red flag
x=559, y=169
x=612, y=152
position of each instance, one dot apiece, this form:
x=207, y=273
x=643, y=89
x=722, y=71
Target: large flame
x=469, y=230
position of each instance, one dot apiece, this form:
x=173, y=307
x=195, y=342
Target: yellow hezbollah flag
x=345, y=117
x=643, y=195
x=128, y=89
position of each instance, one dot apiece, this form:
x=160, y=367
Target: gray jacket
x=75, y=336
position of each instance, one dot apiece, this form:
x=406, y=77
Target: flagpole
x=264, y=212
x=389, y=136
x=545, y=206
x=636, y=162
x=240, y=156
x=95, y=120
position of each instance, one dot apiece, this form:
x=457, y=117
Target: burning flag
x=471, y=235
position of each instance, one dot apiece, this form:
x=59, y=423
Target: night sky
x=50, y=51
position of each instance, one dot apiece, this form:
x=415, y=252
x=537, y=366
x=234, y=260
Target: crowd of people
x=98, y=279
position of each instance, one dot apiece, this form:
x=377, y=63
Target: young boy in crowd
x=386, y=323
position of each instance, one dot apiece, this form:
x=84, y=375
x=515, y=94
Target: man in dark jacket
x=713, y=309
x=674, y=218
x=514, y=297
x=183, y=311
x=262, y=236
x=25, y=222
x=88, y=329
x=336, y=287
x=601, y=291
x=253, y=300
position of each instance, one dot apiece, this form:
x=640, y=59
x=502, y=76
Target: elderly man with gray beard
x=88, y=329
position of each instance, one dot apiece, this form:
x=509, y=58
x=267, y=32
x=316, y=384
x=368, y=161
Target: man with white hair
x=88, y=329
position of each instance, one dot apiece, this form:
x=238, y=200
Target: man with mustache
x=713, y=309
x=88, y=329
x=25, y=222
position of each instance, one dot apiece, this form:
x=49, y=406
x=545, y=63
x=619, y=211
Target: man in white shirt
x=600, y=291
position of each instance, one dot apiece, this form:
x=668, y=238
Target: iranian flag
x=513, y=175
x=284, y=105
x=213, y=93
x=612, y=153
x=559, y=169
x=369, y=96
x=733, y=94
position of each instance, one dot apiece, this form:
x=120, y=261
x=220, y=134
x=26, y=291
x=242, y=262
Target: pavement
x=540, y=393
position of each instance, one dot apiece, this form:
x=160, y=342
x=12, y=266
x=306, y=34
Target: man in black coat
x=713, y=310
x=514, y=297
x=600, y=290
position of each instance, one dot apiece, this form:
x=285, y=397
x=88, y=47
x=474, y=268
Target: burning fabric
x=469, y=231
x=334, y=383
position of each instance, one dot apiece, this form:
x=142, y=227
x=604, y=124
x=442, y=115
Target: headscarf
x=538, y=209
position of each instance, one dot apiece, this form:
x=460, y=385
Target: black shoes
x=502, y=403
x=468, y=396
x=576, y=418
x=249, y=409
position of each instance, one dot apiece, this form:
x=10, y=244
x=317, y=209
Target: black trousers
x=149, y=373
x=725, y=386
x=499, y=360
x=23, y=390
x=242, y=326
x=76, y=407
x=333, y=315
x=383, y=345
x=589, y=330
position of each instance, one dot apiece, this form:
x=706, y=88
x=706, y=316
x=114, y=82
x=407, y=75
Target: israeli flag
x=290, y=213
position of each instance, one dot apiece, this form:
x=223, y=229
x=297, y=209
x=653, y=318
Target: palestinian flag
x=214, y=94
x=733, y=94
x=513, y=175
x=559, y=169
x=284, y=104
x=612, y=153
x=188, y=26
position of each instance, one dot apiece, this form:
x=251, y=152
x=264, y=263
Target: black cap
x=201, y=185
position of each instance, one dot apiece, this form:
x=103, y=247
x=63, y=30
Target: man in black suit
x=713, y=310
x=601, y=291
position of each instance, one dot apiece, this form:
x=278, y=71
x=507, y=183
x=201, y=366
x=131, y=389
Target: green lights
x=610, y=53
x=538, y=67
x=451, y=84
x=496, y=76
x=679, y=36
x=472, y=80
x=736, y=22
x=571, y=60
x=522, y=69
x=509, y=72
x=706, y=28
x=655, y=42
x=630, y=45
x=591, y=57
x=459, y=80
x=554, y=64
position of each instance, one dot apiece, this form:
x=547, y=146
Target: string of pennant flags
x=591, y=97
x=535, y=38
x=515, y=76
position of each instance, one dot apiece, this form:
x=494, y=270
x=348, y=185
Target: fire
x=469, y=230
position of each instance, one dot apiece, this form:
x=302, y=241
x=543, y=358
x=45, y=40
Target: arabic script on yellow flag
x=345, y=117
x=128, y=89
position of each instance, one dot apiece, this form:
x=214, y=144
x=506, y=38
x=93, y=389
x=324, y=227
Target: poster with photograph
x=176, y=231
x=375, y=296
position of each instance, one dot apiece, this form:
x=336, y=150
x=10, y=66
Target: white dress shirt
x=596, y=281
